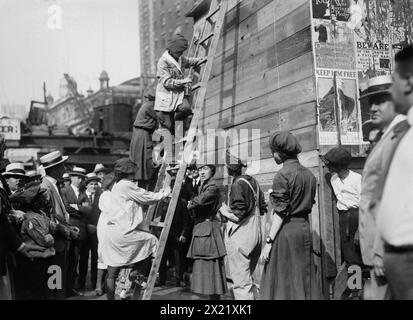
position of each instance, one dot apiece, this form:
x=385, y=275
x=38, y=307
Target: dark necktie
x=378, y=136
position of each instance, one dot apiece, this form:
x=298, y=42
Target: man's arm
x=205, y=198
x=68, y=206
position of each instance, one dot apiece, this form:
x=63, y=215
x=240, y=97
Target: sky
x=34, y=47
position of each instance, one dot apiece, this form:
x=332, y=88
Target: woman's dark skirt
x=288, y=274
x=207, y=250
x=208, y=277
x=141, y=149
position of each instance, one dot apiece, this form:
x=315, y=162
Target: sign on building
x=10, y=129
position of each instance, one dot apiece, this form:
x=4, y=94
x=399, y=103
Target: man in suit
x=70, y=197
x=89, y=207
x=53, y=164
x=192, y=183
x=395, y=213
x=179, y=236
x=385, y=118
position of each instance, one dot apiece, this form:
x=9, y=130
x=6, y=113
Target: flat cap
x=285, y=142
x=337, y=156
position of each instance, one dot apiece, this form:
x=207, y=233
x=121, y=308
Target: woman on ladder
x=125, y=243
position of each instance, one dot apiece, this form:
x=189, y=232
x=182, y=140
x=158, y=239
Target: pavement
x=166, y=292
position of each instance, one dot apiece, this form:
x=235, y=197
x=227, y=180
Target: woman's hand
x=167, y=191
x=265, y=255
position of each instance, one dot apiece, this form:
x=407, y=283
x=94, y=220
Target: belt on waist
x=348, y=213
x=300, y=215
x=353, y=210
x=399, y=249
x=146, y=129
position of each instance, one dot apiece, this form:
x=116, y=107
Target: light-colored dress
x=125, y=243
x=105, y=205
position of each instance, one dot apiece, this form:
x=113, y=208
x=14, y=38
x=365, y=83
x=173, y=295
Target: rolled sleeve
x=280, y=196
x=238, y=203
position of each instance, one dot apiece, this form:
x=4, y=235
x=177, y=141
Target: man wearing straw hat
x=53, y=164
x=70, y=197
x=385, y=118
x=14, y=176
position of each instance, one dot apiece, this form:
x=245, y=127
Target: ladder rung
x=158, y=224
x=196, y=86
x=208, y=18
x=206, y=38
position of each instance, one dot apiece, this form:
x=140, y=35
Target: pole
x=337, y=109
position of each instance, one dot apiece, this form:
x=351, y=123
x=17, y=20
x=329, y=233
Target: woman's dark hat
x=285, y=142
x=377, y=86
x=177, y=44
x=337, y=156
x=125, y=166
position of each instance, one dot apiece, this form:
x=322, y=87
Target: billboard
x=10, y=129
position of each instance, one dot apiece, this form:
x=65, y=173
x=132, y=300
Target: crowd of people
x=375, y=211
x=52, y=221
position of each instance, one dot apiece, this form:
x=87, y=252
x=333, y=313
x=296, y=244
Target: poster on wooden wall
x=333, y=44
x=341, y=98
x=360, y=37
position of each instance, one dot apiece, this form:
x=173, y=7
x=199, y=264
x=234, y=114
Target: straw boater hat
x=377, y=86
x=66, y=177
x=78, y=172
x=52, y=159
x=15, y=170
x=91, y=177
x=100, y=168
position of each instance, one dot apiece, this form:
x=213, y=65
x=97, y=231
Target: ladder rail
x=198, y=103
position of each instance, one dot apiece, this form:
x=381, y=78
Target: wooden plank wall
x=263, y=78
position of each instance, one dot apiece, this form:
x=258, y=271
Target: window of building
x=163, y=19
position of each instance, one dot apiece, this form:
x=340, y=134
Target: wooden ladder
x=203, y=44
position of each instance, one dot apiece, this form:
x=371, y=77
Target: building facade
x=77, y=116
x=159, y=19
